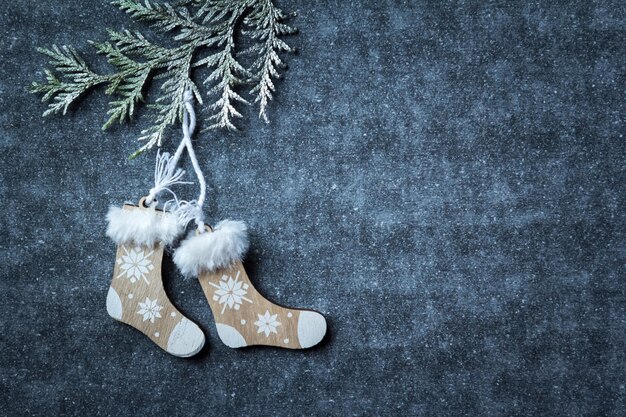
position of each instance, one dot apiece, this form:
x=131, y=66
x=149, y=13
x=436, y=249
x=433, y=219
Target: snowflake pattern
x=135, y=264
x=230, y=292
x=267, y=323
x=150, y=310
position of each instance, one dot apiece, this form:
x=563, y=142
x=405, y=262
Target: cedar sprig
x=204, y=34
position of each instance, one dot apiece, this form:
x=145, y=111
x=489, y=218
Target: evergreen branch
x=162, y=16
x=266, y=23
x=195, y=25
x=135, y=44
x=131, y=90
x=188, y=3
x=213, y=11
x=227, y=73
x=170, y=106
x=133, y=75
x=77, y=79
x=166, y=18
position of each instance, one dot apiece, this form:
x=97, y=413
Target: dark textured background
x=445, y=181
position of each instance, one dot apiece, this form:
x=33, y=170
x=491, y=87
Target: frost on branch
x=203, y=34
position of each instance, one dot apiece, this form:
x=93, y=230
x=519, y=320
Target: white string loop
x=189, y=125
x=167, y=174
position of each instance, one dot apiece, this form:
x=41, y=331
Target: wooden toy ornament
x=136, y=295
x=243, y=317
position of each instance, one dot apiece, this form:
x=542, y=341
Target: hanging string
x=193, y=210
x=167, y=174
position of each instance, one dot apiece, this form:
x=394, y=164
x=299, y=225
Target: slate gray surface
x=445, y=181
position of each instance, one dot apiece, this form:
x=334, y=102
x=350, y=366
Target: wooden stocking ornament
x=243, y=317
x=136, y=296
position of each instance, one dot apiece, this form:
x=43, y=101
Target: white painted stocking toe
x=230, y=336
x=114, y=304
x=186, y=339
x=311, y=328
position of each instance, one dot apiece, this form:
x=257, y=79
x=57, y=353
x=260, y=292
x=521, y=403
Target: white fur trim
x=142, y=226
x=210, y=251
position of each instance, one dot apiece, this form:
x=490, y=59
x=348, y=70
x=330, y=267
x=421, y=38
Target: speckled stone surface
x=445, y=181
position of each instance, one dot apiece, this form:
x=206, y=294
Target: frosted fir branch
x=133, y=77
x=170, y=106
x=226, y=72
x=167, y=18
x=266, y=26
x=226, y=76
x=128, y=83
x=131, y=91
x=136, y=44
x=78, y=78
x=213, y=11
x=161, y=16
x=196, y=25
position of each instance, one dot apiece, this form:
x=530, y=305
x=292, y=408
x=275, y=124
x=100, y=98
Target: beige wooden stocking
x=243, y=317
x=136, y=296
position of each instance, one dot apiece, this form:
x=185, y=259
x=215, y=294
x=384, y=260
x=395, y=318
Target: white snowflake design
x=135, y=264
x=267, y=323
x=230, y=292
x=150, y=310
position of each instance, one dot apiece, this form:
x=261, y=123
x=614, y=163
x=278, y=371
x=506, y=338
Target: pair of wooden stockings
x=243, y=317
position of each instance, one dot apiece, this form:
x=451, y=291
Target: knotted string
x=167, y=174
